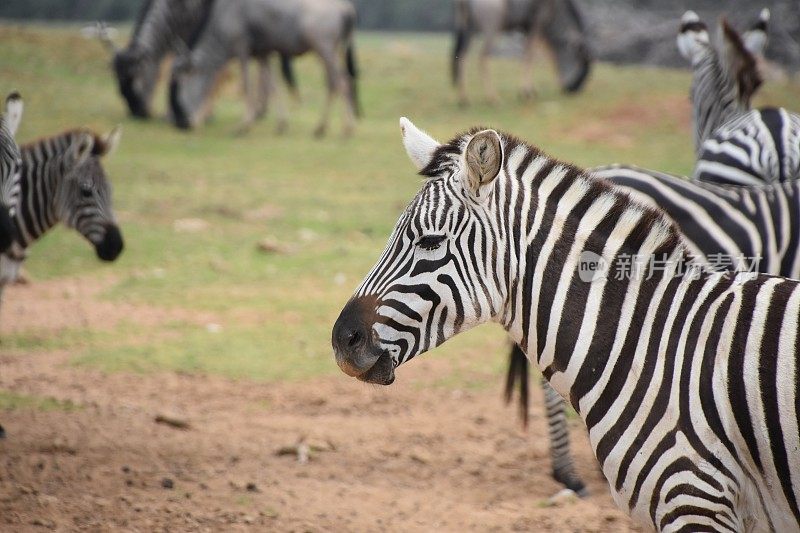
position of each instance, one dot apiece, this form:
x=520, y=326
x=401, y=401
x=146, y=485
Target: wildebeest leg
x=269, y=91
x=486, y=78
x=337, y=86
x=527, y=90
x=249, y=99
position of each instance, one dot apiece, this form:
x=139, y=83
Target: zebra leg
x=527, y=90
x=560, y=456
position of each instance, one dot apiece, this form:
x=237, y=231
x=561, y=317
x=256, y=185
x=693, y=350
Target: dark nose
x=352, y=337
x=7, y=229
x=111, y=246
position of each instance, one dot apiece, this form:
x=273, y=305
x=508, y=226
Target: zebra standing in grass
x=736, y=145
x=163, y=27
x=62, y=180
x=10, y=167
x=686, y=378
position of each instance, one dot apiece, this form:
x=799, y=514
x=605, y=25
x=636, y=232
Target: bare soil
x=410, y=457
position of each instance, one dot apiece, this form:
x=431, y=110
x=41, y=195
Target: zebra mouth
x=381, y=373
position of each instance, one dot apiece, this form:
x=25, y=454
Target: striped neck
x=560, y=219
x=44, y=165
x=715, y=95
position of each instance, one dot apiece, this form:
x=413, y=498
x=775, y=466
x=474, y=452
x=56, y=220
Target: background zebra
x=724, y=77
x=736, y=145
x=163, y=27
x=10, y=164
x=687, y=384
x=62, y=180
x=724, y=226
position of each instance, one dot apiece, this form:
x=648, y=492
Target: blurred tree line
x=373, y=14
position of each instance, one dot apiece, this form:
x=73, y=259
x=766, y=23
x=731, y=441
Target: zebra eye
x=431, y=242
x=86, y=191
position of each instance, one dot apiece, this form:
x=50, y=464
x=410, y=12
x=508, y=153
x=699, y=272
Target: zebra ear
x=483, y=159
x=739, y=61
x=13, y=114
x=755, y=38
x=419, y=145
x=111, y=140
x=693, y=36
x=82, y=148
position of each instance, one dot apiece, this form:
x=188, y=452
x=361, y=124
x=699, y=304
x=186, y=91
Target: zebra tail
x=461, y=38
x=287, y=71
x=350, y=63
x=518, y=370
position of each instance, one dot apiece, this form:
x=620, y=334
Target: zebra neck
x=42, y=171
x=715, y=97
x=558, y=310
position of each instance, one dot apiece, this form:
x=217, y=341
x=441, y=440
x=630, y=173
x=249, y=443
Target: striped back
x=761, y=146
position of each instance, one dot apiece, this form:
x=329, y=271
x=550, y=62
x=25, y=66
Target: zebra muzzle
x=354, y=345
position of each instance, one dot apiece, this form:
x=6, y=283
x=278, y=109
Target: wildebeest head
x=189, y=89
x=563, y=30
x=137, y=75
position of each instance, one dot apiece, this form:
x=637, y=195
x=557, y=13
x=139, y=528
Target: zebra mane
x=446, y=155
x=65, y=139
x=745, y=67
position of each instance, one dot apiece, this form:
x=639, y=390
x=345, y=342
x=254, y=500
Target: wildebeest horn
x=103, y=33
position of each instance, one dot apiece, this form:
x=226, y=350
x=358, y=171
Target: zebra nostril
x=354, y=339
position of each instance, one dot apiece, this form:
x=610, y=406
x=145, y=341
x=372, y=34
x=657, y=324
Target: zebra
x=240, y=29
x=734, y=144
x=10, y=164
x=62, y=180
x=729, y=227
x=685, y=377
x=559, y=22
x=162, y=28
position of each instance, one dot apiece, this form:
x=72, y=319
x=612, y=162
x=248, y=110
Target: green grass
x=10, y=401
x=333, y=202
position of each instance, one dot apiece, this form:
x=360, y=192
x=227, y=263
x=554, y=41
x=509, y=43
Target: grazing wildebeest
x=240, y=29
x=10, y=167
x=161, y=29
x=557, y=21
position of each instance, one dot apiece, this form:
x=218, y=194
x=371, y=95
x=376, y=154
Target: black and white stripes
x=685, y=378
x=62, y=180
x=10, y=168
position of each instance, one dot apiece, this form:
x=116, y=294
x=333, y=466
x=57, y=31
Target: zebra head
x=10, y=168
x=137, y=75
x=83, y=196
x=437, y=276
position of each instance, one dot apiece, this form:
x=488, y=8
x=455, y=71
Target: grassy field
x=329, y=203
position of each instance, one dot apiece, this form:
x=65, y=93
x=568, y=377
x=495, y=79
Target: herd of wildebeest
x=662, y=308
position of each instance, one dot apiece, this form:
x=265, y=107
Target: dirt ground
x=410, y=457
